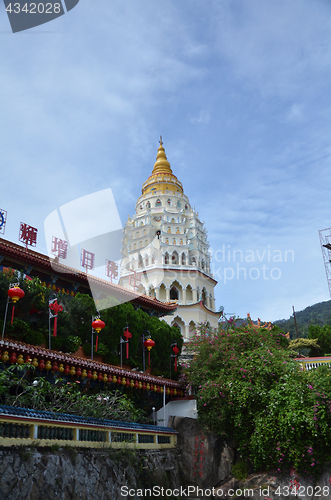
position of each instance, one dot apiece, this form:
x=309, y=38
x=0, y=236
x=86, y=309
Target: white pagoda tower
x=166, y=251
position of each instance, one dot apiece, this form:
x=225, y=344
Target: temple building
x=166, y=250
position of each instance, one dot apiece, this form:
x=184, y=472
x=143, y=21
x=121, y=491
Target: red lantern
x=41, y=365
x=144, y=386
x=15, y=294
x=128, y=382
x=100, y=377
x=89, y=374
x=55, y=367
x=176, y=351
x=128, y=336
x=136, y=385
x=78, y=372
x=98, y=325
x=67, y=370
x=119, y=381
x=149, y=343
x=13, y=358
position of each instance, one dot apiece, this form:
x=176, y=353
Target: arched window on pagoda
x=174, y=258
x=183, y=259
x=169, y=201
x=148, y=205
x=166, y=258
x=204, y=296
x=158, y=203
x=174, y=293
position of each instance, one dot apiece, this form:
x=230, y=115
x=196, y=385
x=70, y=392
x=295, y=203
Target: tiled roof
x=21, y=256
x=41, y=353
x=64, y=417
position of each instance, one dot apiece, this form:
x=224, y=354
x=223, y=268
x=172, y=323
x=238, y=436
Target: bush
x=249, y=389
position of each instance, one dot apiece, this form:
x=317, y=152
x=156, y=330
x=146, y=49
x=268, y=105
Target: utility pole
x=295, y=321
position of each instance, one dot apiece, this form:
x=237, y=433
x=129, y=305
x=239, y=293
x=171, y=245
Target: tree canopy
x=74, y=326
x=250, y=390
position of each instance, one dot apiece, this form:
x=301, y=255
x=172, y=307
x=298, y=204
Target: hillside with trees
x=318, y=314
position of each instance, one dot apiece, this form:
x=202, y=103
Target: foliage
x=16, y=389
x=323, y=336
x=318, y=314
x=249, y=389
x=74, y=325
x=240, y=470
x=297, y=344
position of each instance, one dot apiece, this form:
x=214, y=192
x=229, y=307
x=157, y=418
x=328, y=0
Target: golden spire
x=161, y=164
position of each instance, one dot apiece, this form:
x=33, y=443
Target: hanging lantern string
x=56, y=308
x=127, y=335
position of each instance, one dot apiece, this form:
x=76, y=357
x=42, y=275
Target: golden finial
x=161, y=164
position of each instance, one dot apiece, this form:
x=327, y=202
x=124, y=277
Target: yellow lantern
x=105, y=377
x=35, y=362
x=175, y=392
x=168, y=391
x=20, y=359
x=161, y=390
x=148, y=386
x=5, y=356
x=114, y=379
x=61, y=368
x=140, y=384
x=155, y=387
x=72, y=371
x=48, y=365
x=123, y=381
x=95, y=375
x=132, y=383
x=84, y=373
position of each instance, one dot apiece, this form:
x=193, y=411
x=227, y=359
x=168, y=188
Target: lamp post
x=14, y=294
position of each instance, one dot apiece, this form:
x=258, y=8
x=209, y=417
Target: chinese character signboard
x=111, y=270
x=134, y=279
x=59, y=248
x=28, y=235
x=3, y=219
x=87, y=259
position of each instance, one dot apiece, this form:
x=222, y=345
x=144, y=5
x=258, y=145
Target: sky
x=239, y=91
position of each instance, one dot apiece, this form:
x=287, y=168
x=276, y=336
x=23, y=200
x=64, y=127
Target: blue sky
x=239, y=90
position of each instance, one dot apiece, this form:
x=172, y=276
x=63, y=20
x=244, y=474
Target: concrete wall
x=180, y=408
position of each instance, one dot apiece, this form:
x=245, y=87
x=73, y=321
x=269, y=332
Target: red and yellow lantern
x=149, y=343
x=15, y=294
x=98, y=325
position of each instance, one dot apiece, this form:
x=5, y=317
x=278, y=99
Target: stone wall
x=199, y=461
x=29, y=473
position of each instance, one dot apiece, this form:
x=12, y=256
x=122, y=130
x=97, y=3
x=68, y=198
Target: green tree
x=250, y=390
x=323, y=336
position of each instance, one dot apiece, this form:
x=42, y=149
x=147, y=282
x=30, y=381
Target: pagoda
x=166, y=250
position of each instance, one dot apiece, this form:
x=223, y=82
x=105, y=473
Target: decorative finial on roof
x=161, y=164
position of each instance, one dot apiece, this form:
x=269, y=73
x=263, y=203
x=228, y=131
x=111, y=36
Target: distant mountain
x=318, y=314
